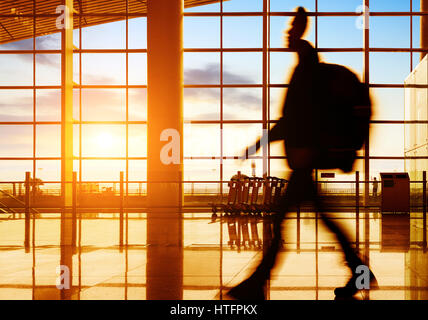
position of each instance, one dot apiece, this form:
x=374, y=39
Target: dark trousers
x=301, y=187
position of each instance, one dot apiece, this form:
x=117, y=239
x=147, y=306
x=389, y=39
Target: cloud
x=210, y=74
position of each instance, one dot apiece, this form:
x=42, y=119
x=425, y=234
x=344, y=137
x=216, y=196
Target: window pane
x=201, y=104
x=387, y=140
x=389, y=68
x=18, y=67
x=388, y=103
x=103, y=68
x=137, y=33
x=242, y=68
x=16, y=105
x=48, y=105
x=390, y=32
x=281, y=66
x=380, y=166
x=201, y=32
x=103, y=105
x=137, y=68
x=201, y=68
x=137, y=135
x=389, y=6
x=16, y=141
x=105, y=36
x=237, y=137
x=137, y=104
x=137, y=170
x=48, y=69
x=201, y=140
x=205, y=170
x=12, y=170
x=102, y=170
x=48, y=170
x=48, y=141
x=339, y=5
x=103, y=140
x=243, y=5
x=243, y=32
x=291, y=5
x=345, y=30
x=242, y=104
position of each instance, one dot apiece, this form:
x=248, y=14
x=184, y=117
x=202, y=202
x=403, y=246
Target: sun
x=104, y=140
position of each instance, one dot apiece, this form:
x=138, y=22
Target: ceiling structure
x=16, y=16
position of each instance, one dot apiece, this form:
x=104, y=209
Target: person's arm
x=274, y=134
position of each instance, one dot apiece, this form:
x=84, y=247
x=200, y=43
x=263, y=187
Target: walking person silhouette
x=325, y=120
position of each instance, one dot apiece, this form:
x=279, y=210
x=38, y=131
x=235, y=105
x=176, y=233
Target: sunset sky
x=199, y=104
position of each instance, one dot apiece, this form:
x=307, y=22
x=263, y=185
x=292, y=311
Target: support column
x=366, y=77
x=67, y=142
x=424, y=27
x=164, y=149
x=67, y=115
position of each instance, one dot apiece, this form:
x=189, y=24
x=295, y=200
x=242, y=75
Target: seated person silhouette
x=318, y=133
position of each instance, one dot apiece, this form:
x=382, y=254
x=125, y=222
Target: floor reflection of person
x=301, y=129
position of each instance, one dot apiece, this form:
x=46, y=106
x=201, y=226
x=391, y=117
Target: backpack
x=345, y=111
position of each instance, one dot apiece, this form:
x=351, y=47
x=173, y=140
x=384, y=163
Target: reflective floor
x=311, y=264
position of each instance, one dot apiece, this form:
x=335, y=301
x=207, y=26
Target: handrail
x=7, y=208
x=17, y=200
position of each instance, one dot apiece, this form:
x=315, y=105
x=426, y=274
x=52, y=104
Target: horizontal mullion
x=76, y=15
x=124, y=50
x=293, y=13
x=217, y=14
x=108, y=158
x=109, y=122
x=112, y=86
x=28, y=87
x=223, y=121
x=223, y=49
x=30, y=158
x=237, y=85
x=3, y=123
x=206, y=158
x=352, y=14
x=399, y=121
x=123, y=122
x=223, y=86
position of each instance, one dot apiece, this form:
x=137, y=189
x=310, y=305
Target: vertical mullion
x=265, y=82
x=221, y=147
x=316, y=180
x=367, y=144
x=80, y=145
x=268, y=81
x=221, y=99
x=411, y=35
x=34, y=90
x=127, y=155
x=34, y=147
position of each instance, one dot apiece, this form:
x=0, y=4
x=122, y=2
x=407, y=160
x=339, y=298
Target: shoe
x=350, y=289
x=250, y=289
